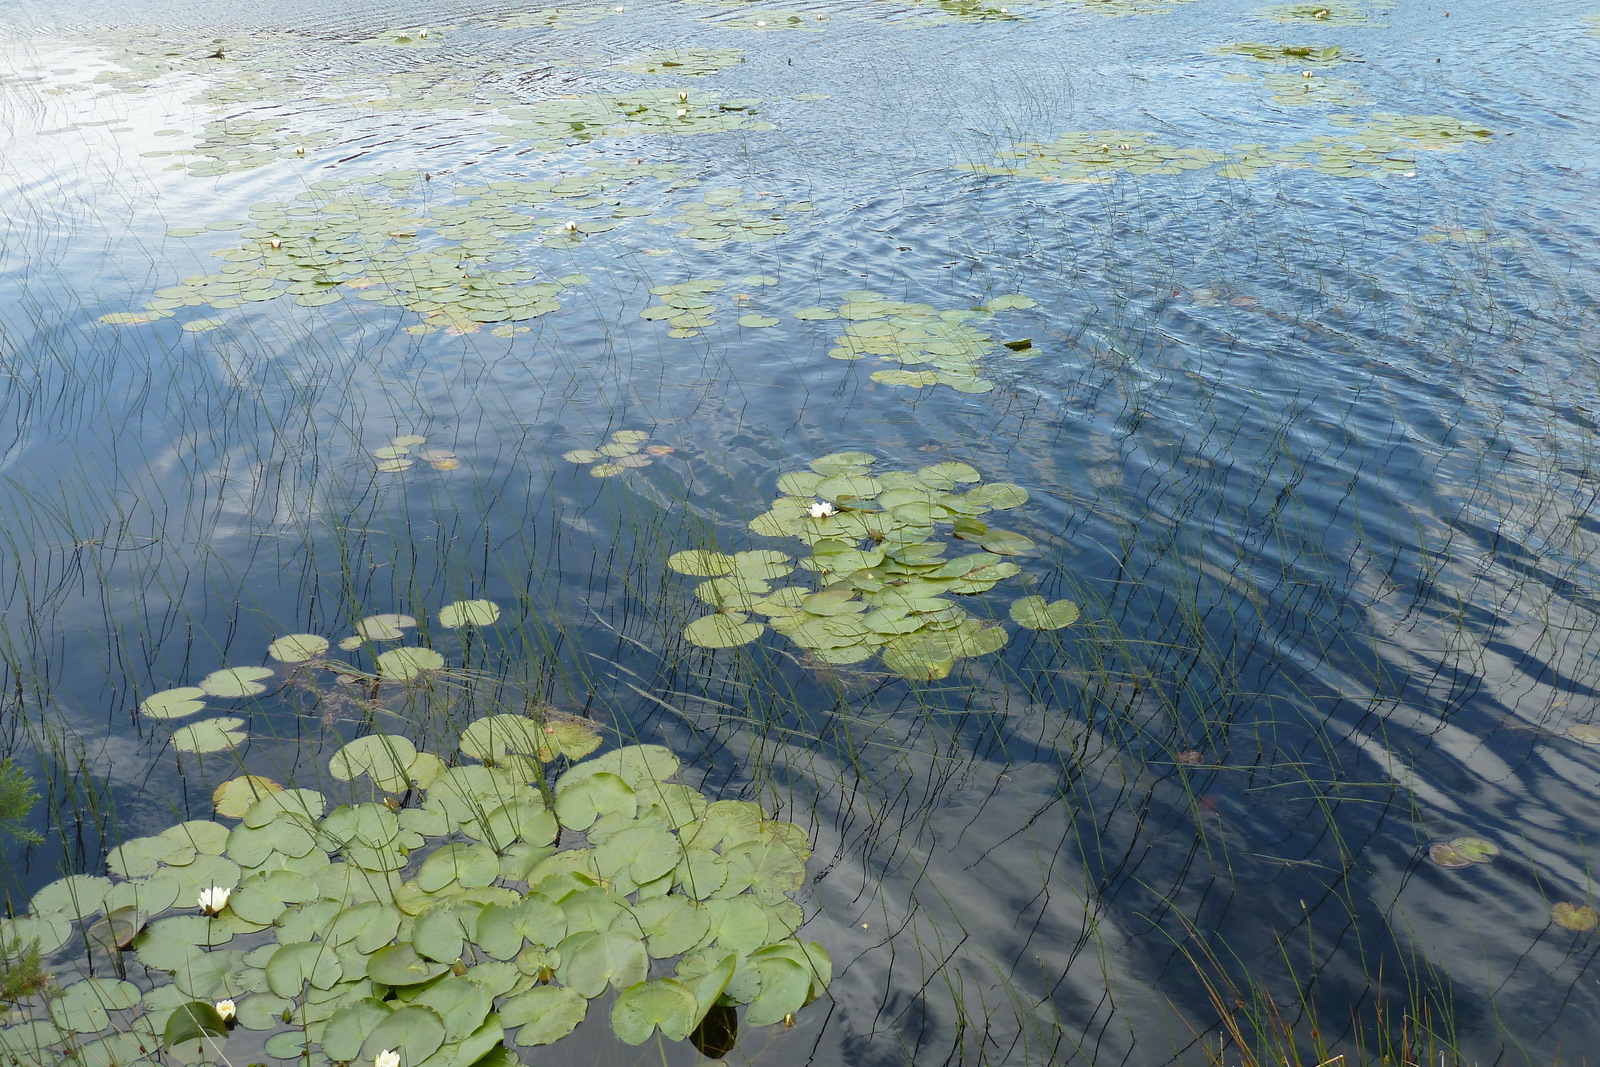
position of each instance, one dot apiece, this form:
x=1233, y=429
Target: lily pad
x=173, y=703
x=297, y=648
x=1034, y=613
x=725, y=630
x=236, y=681
x=468, y=613
x=404, y=664
x=1577, y=917
x=237, y=795
x=209, y=735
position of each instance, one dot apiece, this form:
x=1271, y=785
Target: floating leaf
x=701, y=563
x=468, y=613
x=173, y=703
x=192, y=1022
x=297, y=648
x=1034, y=613
x=210, y=735
x=722, y=631
x=383, y=757
x=416, y=1030
x=662, y=1002
x=1475, y=849
x=1577, y=917
x=236, y=796
x=545, y=1013
x=403, y=664
x=236, y=681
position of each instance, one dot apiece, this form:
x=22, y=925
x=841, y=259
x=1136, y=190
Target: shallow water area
x=776, y=373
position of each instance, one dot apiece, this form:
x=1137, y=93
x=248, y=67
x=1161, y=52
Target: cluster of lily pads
x=1384, y=143
x=554, y=124
x=398, y=665
x=438, y=85
x=945, y=344
x=724, y=215
x=687, y=307
x=697, y=62
x=882, y=582
x=338, y=237
x=1320, y=12
x=1098, y=155
x=464, y=910
x=553, y=18
x=767, y=19
x=240, y=143
x=624, y=452
x=490, y=214
x=946, y=11
x=1308, y=88
x=1463, y=852
x=396, y=456
x=1305, y=55
x=1118, y=8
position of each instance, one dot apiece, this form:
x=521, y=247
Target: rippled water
x=1313, y=451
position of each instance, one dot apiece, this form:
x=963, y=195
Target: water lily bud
x=276, y=242
x=213, y=900
x=821, y=509
x=683, y=98
x=423, y=32
x=227, y=1010
x=386, y=1058
x=572, y=227
x=299, y=149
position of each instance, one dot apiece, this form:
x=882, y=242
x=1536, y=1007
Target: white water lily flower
x=572, y=227
x=386, y=1058
x=213, y=900
x=821, y=509
x=682, y=111
x=227, y=1010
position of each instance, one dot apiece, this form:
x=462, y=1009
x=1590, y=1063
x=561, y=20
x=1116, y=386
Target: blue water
x=1315, y=454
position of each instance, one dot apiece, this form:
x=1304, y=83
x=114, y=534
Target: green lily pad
x=723, y=631
x=235, y=796
x=468, y=613
x=415, y=1030
x=545, y=1014
x=659, y=1002
x=173, y=703
x=404, y=664
x=701, y=563
x=236, y=681
x=297, y=648
x=209, y=735
x=1577, y=917
x=383, y=757
x=1034, y=613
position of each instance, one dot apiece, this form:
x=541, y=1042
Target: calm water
x=1310, y=439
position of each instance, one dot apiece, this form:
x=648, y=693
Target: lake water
x=1282, y=317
